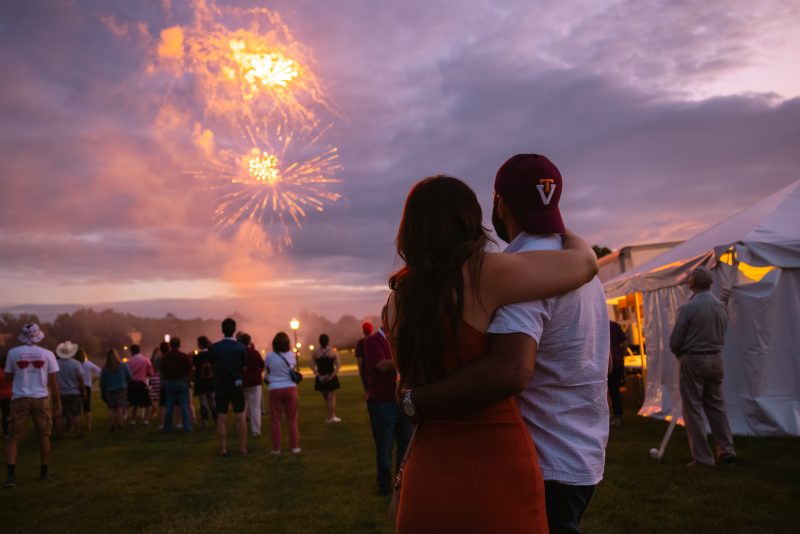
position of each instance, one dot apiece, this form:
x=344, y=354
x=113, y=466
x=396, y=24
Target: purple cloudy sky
x=664, y=117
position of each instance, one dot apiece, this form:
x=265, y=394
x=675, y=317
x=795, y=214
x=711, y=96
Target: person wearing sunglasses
x=31, y=370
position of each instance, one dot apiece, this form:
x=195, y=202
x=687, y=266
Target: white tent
x=756, y=255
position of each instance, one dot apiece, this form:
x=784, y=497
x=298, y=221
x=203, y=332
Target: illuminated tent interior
x=755, y=254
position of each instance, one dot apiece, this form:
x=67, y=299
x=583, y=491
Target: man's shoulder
x=22, y=349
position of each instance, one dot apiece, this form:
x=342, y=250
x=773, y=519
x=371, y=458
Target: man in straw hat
x=31, y=370
x=696, y=340
x=70, y=384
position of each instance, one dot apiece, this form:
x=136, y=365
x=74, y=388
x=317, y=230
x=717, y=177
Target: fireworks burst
x=273, y=185
x=258, y=68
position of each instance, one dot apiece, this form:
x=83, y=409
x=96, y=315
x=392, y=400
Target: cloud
x=96, y=148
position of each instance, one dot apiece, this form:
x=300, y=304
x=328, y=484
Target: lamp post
x=295, y=325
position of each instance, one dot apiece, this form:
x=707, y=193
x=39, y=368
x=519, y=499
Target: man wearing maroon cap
x=565, y=339
x=389, y=428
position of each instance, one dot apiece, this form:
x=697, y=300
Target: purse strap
x=398, y=479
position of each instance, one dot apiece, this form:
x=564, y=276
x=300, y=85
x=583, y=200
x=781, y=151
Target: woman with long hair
x=282, y=392
x=325, y=364
x=478, y=473
x=114, y=379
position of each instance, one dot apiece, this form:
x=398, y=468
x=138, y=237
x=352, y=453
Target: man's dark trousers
x=565, y=506
x=388, y=426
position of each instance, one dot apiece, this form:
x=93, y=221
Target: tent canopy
x=766, y=234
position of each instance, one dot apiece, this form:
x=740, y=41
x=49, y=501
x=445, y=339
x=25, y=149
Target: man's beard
x=499, y=227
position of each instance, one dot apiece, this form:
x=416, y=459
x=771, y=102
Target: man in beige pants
x=697, y=340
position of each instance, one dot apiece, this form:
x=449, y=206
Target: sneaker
x=276, y=453
x=333, y=419
x=296, y=450
x=132, y=422
x=11, y=482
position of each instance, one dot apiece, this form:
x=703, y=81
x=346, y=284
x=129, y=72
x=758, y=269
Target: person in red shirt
x=388, y=424
x=251, y=379
x=177, y=369
x=366, y=328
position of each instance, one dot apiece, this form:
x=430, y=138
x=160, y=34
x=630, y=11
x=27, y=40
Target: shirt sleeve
x=522, y=318
x=52, y=364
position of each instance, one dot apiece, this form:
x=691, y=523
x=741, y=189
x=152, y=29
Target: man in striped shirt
x=554, y=353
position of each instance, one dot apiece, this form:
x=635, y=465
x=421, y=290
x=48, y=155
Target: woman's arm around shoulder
x=536, y=275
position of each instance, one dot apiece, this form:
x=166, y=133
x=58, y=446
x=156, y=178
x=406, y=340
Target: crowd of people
x=54, y=390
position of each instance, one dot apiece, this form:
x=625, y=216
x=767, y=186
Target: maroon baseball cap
x=530, y=185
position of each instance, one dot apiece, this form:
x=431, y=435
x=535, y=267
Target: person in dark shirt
x=366, y=328
x=253, y=376
x=204, y=381
x=228, y=358
x=619, y=342
x=176, y=368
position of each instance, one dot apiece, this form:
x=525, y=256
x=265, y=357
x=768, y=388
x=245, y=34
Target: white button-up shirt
x=565, y=406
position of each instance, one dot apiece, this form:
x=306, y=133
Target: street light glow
x=294, y=324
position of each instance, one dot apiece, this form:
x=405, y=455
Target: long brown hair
x=441, y=229
x=112, y=360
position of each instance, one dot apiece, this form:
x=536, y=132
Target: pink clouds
x=96, y=146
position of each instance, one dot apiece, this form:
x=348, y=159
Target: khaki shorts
x=28, y=407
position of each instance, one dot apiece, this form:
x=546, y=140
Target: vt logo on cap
x=530, y=185
x=545, y=190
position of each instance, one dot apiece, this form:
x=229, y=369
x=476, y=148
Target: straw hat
x=67, y=350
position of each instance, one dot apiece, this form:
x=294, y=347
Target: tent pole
x=640, y=327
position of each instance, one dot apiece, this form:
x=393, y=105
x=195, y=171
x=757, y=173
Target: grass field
x=144, y=481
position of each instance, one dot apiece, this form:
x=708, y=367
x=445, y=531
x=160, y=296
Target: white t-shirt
x=30, y=364
x=279, y=371
x=89, y=370
x=565, y=407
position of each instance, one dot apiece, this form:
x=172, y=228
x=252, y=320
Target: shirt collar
x=229, y=338
x=524, y=238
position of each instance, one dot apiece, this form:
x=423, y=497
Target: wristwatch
x=408, y=404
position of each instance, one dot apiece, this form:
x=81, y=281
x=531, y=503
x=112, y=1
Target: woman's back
x=325, y=359
x=278, y=365
x=476, y=473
